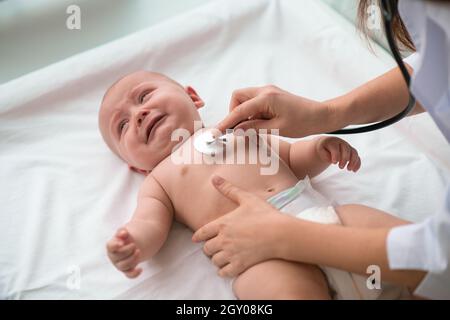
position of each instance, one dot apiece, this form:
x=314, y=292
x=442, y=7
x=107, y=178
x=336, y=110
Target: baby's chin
x=150, y=162
x=168, y=141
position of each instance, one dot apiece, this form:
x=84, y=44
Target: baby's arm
x=311, y=157
x=143, y=236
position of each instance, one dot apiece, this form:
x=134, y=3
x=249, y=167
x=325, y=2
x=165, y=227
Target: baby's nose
x=141, y=117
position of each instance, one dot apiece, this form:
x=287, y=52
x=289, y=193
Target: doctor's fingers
x=241, y=95
x=232, y=192
x=220, y=259
x=235, y=194
x=208, y=231
x=255, y=108
x=231, y=270
x=213, y=246
x=259, y=124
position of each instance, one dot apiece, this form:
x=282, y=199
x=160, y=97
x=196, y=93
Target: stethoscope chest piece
x=210, y=144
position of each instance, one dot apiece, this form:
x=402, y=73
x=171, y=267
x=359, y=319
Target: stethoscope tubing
x=388, y=9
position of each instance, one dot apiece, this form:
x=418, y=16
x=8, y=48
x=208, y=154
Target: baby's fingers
x=113, y=245
x=123, y=252
x=344, y=154
x=123, y=234
x=355, y=161
x=333, y=149
x=133, y=273
x=129, y=263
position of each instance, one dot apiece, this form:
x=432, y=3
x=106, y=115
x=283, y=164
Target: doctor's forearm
x=376, y=100
x=346, y=248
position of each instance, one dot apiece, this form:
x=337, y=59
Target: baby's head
x=139, y=113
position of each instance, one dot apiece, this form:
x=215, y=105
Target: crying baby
x=138, y=117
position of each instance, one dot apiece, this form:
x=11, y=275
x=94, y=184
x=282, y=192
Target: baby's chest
x=194, y=180
x=196, y=201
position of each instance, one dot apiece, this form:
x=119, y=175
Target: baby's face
x=139, y=113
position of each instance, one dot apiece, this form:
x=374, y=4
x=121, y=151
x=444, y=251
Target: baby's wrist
x=320, y=148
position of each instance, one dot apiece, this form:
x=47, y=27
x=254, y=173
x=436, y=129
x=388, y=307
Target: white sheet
x=63, y=193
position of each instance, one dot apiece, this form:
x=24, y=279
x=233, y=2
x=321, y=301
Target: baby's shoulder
x=153, y=187
x=165, y=173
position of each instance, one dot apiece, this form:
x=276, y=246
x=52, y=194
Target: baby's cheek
x=128, y=153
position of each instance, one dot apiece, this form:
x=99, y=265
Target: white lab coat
x=426, y=245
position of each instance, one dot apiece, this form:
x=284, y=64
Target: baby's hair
x=112, y=86
x=146, y=71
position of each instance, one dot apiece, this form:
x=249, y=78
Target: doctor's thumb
x=228, y=189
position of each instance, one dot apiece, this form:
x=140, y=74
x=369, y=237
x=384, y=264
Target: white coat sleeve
x=425, y=246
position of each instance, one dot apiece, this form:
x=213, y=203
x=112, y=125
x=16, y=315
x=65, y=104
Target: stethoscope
x=208, y=143
x=388, y=10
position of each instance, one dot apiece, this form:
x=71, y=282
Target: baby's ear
x=194, y=96
x=144, y=172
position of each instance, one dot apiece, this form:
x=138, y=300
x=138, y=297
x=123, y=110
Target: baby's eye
x=143, y=95
x=122, y=125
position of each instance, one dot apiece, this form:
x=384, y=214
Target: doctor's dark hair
x=400, y=32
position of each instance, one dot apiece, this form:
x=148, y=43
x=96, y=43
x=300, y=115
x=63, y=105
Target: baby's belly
x=197, y=202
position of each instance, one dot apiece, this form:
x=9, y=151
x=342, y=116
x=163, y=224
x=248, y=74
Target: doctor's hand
x=270, y=107
x=242, y=237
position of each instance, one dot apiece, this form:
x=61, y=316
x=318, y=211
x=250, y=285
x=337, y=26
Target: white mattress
x=63, y=193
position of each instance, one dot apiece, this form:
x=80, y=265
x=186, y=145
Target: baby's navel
x=271, y=190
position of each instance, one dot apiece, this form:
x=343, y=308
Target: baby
x=137, y=117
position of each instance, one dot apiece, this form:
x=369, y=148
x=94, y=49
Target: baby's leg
x=280, y=279
x=355, y=215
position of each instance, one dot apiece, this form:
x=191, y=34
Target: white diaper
x=303, y=202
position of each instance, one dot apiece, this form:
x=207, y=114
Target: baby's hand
x=335, y=150
x=124, y=253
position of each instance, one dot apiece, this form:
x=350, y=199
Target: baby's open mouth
x=153, y=124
